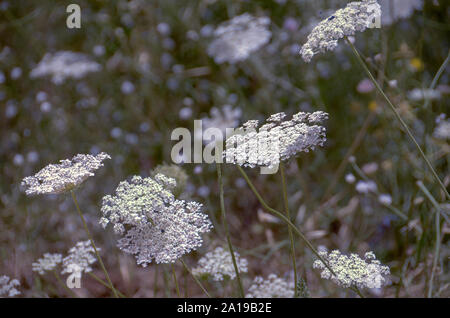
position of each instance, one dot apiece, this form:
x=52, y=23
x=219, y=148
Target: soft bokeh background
x=156, y=75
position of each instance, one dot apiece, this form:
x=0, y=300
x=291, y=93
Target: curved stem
x=397, y=116
x=291, y=235
x=225, y=226
x=195, y=278
x=93, y=244
x=175, y=281
x=101, y=281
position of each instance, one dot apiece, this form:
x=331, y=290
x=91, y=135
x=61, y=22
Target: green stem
x=175, y=281
x=225, y=226
x=397, y=115
x=195, y=278
x=58, y=278
x=93, y=244
x=101, y=281
x=291, y=235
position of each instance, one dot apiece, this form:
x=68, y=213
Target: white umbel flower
x=8, y=287
x=80, y=259
x=154, y=225
x=276, y=140
x=272, y=287
x=237, y=38
x=47, y=263
x=68, y=174
x=355, y=17
x=219, y=264
x=351, y=271
x=64, y=64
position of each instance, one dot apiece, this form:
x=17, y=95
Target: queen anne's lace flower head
x=236, y=39
x=153, y=223
x=276, y=140
x=351, y=271
x=47, y=263
x=64, y=64
x=219, y=264
x=68, y=174
x=272, y=287
x=355, y=17
x=80, y=259
x=8, y=286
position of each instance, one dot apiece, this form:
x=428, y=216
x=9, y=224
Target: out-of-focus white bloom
x=237, y=38
x=370, y=168
x=385, y=199
x=16, y=73
x=80, y=259
x=47, y=263
x=8, y=287
x=398, y=9
x=219, y=264
x=223, y=118
x=64, y=64
x=355, y=17
x=127, y=87
x=59, y=178
x=353, y=270
x=153, y=223
x=365, y=187
x=442, y=130
x=276, y=140
x=272, y=287
x=418, y=94
x=350, y=178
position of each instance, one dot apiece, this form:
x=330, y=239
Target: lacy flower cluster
x=154, y=225
x=352, y=270
x=59, y=178
x=64, y=64
x=219, y=264
x=8, y=286
x=355, y=17
x=272, y=287
x=276, y=140
x=48, y=263
x=237, y=38
x=80, y=259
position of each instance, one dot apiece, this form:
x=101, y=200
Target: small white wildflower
x=370, y=168
x=276, y=140
x=64, y=64
x=350, y=178
x=80, y=258
x=8, y=286
x=154, y=225
x=366, y=186
x=219, y=265
x=355, y=17
x=352, y=271
x=237, y=38
x=385, y=199
x=58, y=178
x=47, y=263
x=272, y=287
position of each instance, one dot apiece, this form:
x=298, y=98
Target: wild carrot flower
x=48, y=263
x=219, y=264
x=355, y=17
x=351, y=271
x=272, y=287
x=8, y=286
x=153, y=223
x=237, y=38
x=59, y=178
x=64, y=64
x=276, y=140
x=79, y=259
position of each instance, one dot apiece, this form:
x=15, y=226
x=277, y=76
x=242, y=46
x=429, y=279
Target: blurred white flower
x=385, y=199
x=350, y=178
x=127, y=87
x=272, y=287
x=442, y=130
x=365, y=187
x=47, y=263
x=80, y=259
x=418, y=94
x=370, y=168
x=8, y=286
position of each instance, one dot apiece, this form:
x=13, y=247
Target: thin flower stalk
x=175, y=281
x=195, y=278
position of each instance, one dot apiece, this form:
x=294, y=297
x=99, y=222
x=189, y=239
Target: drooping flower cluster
x=8, y=287
x=237, y=38
x=80, y=259
x=47, y=263
x=64, y=64
x=154, y=225
x=59, y=178
x=351, y=271
x=276, y=140
x=355, y=17
x=219, y=264
x=272, y=287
